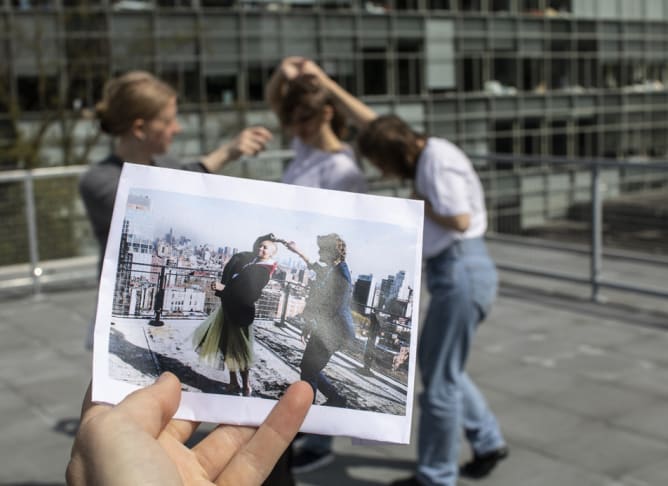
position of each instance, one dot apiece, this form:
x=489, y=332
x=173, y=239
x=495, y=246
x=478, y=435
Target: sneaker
x=306, y=461
x=481, y=465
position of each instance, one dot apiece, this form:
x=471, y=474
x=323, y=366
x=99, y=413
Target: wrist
x=215, y=161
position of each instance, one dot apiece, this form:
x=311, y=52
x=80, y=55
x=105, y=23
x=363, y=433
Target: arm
x=354, y=109
x=250, y=141
x=139, y=442
x=458, y=222
x=292, y=246
x=445, y=193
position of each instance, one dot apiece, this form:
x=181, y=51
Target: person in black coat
x=226, y=336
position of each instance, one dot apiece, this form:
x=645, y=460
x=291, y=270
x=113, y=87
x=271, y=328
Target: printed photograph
x=242, y=299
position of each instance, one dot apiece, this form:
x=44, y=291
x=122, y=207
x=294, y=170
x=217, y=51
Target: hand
x=138, y=441
x=217, y=286
x=250, y=141
x=310, y=68
x=291, y=67
x=292, y=246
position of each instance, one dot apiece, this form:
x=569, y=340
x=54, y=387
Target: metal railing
x=556, y=203
x=599, y=180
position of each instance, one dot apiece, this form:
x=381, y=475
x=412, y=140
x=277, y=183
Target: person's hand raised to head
x=137, y=442
x=292, y=246
x=310, y=68
x=291, y=67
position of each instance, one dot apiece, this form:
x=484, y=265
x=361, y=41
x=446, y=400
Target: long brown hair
x=389, y=143
x=304, y=99
x=131, y=96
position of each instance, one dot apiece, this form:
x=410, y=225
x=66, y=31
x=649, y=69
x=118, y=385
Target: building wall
x=575, y=78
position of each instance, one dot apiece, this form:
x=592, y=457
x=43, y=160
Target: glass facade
x=579, y=78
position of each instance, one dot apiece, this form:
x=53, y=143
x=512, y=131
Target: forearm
x=292, y=246
x=303, y=257
x=457, y=222
x=216, y=160
x=355, y=110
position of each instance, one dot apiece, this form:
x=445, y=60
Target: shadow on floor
x=153, y=364
x=338, y=472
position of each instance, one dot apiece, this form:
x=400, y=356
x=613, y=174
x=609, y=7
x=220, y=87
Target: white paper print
x=215, y=278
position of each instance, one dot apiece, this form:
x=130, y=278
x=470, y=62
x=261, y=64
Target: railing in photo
x=157, y=292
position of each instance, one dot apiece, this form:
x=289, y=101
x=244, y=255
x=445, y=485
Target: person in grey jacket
x=140, y=112
x=329, y=322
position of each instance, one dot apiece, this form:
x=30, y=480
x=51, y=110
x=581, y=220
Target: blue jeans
x=462, y=281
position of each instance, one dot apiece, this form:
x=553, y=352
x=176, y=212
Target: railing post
x=159, y=300
x=31, y=221
x=596, y=231
x=284, y=310
x=370, y=348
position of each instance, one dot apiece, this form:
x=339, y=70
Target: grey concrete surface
x=580, y=389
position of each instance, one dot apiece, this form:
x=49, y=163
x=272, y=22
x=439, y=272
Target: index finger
x=256, y=459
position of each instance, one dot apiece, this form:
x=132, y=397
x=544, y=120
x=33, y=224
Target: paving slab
x=579, y=390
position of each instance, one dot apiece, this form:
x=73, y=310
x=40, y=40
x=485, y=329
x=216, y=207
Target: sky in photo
x=374, y=248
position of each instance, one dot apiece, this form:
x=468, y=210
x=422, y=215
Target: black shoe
x=306, y=461
x=340, y=402
x=412, y=481
x=481, y=465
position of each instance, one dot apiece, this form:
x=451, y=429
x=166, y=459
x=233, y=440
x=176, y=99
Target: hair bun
x=101, y=111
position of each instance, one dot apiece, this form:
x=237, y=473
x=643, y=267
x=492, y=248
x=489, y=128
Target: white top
x=446, y=178
x=328, y=170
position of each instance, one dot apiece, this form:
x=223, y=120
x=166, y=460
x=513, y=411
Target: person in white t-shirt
x=462, y=281
x=299, y=93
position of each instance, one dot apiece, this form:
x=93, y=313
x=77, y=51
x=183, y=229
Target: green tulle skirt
x=237, y=343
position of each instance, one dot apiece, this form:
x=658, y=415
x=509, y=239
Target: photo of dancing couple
x=243, y=294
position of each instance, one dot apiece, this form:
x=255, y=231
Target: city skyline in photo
x=379, y=249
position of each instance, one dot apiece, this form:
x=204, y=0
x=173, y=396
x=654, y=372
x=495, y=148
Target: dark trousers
x=316, y=356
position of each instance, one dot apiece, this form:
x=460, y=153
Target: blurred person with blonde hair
x=140, y=112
